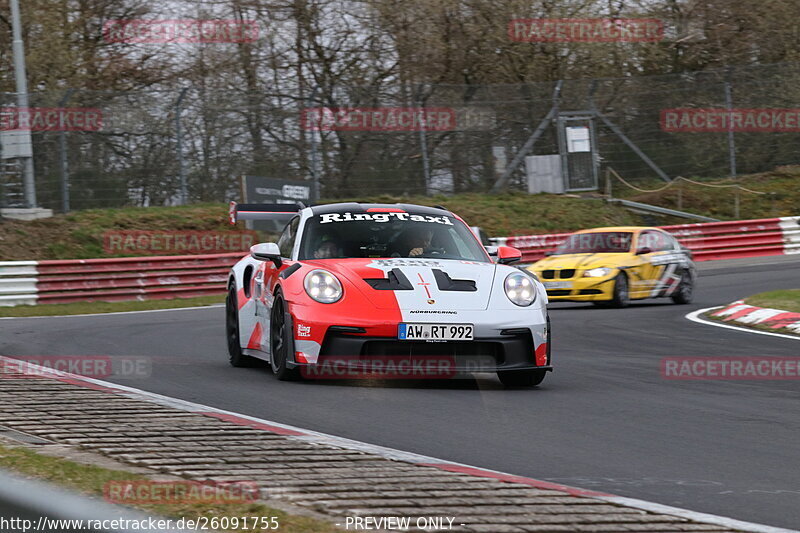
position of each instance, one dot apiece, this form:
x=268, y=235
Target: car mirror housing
x=266, y=251
x=643, y=251
x=507, y=254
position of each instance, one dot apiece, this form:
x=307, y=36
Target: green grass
x=781, y=184
x=79, y=235
x=788, y=300
x=522, y=214
x=85, y=308
x=90, y=480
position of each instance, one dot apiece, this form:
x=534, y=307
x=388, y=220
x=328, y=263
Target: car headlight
x=520, y=289
x=597, y=272
x=323, y=286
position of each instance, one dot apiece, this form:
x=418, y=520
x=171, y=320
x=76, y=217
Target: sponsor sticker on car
x=435, y=332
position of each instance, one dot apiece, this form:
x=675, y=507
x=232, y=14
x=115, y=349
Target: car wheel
x=621, y=297
x=521, y=378
x=237, y=358
x=685, y=290
x=281, y=343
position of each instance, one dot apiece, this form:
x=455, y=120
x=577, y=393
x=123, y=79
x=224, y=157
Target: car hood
x=583, y=261
x=431, y=284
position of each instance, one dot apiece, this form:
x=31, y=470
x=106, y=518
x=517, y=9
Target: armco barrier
x=128, y=278
x=146, y=278
x=707, y=241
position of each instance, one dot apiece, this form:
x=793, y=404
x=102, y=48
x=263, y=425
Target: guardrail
x=126, y=278
x=145, y=278
x=708, y=241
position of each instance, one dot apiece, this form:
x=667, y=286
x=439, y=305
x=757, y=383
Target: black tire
x=521, y=378
x=621, y=296
x=237, y=358
x=281, y=343
x=685, y=291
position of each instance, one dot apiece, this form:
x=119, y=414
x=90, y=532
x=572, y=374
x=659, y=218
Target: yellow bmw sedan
x=611, y=266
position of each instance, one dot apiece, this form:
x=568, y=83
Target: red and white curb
x=381, y=451
x=742, y=313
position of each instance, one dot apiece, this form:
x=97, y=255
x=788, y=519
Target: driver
x=326, y=249
x=419, y=241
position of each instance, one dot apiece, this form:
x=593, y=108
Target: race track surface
x=604, y=420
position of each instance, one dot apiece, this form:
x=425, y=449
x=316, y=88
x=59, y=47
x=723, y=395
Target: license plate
x=435, y=332
x=557, y=284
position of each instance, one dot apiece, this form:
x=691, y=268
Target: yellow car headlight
x=597, y=272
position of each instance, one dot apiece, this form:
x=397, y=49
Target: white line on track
x=694, y=316
x=116, y=312
x=399, y=455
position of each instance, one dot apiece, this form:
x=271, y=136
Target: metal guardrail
x=27, y=506
x=161, y=277
x=707, y=241
x=654, y=209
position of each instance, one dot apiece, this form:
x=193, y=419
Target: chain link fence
x=398, y=139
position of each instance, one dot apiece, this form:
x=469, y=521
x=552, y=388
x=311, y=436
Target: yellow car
x=611, y=266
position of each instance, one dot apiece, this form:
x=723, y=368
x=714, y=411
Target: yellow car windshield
x=601, y=242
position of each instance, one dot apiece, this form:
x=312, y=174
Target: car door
x=656, y=249
x=267, y=278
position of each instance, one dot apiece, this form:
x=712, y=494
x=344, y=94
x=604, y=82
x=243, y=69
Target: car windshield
x=596, y=242
x=388, y=234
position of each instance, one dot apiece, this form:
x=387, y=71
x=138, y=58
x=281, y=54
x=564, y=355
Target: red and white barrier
x=763, y=316
x=707, y=241
x=146, y=278
x=127, y=278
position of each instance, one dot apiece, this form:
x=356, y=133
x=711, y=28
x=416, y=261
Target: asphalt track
x=605, y=420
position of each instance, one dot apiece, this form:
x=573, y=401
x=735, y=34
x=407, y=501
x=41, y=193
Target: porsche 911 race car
x=371, y=283
x=611, y=266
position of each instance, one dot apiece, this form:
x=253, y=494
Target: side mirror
x=491, y=250
x=266, y=251
x=507, y=254
x=643, y=251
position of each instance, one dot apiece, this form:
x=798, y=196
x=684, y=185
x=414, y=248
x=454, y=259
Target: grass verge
x=788, y=300
x=90, y=480
x=87, y=308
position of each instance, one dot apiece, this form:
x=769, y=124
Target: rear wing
x=238, y=212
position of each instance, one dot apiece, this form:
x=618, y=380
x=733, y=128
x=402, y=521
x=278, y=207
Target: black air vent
x=446, y=283
x=395, y=280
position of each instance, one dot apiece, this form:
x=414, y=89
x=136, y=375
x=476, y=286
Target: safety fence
x=138, y=278
x=707, y=241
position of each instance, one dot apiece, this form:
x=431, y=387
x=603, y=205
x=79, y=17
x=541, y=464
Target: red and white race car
x=368, y=282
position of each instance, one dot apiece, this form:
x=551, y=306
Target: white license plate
x=434, y=332
x=557, y=284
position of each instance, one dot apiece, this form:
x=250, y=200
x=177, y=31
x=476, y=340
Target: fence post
x=731, y=139
x=62, y=146
x=179, y=148
x=423, y=140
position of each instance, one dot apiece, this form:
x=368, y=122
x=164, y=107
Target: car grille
x=434, y=349
x=559, y=292
x=566, y=273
